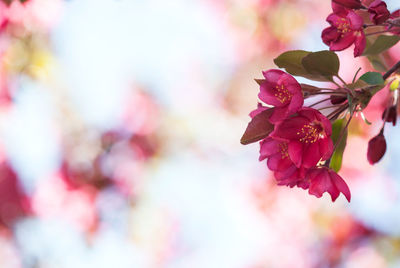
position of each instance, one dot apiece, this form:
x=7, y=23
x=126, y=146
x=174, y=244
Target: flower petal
x=295, y=149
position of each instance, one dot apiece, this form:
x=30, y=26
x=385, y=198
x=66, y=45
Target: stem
x=391, y=70
x=342, y=133
x=384, y=31
x=327, y=107
x=339, y=86
x=336, y=113
x=341, y=80
x=371, y=25
x=318, y=102
x=328, y=93
x=355, y=76
x=393, y=23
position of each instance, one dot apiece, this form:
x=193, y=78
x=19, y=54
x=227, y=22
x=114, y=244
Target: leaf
x=291, y=61
x=376, y=62
x=382, y=43
x=372, y=78
x=337, y=156
x=259, y=81
x=323, y=64
x=258, y=128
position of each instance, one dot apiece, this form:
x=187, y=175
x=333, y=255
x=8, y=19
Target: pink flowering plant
x=304, y=144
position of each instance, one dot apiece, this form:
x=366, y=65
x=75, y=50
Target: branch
x=391, y=70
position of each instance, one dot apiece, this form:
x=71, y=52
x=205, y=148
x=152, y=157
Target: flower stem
x=355, y=76
x=337, y=112
x=318, y=102
x=384, y=31
x=327, y=107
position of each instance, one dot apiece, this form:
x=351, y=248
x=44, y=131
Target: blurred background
x=120, y=123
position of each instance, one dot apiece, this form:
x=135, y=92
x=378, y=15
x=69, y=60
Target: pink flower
x=308, y=136
x=379, y=12
x=376, y=148
x=354, y=4
x=277, y=154
x=286, y=173
x=259, y=109
x=282, y=91
x=291, y=177
x=346, y=29
x=324, y=180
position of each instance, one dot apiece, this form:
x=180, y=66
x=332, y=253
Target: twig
x=391, y=70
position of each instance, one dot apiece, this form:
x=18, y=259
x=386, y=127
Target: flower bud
x=376, y=148
x=338, y=99
x=390, y=115
x=356, y=4
x=379, y=12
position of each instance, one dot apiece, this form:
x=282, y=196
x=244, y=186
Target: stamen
x=310, y=133
x=283, y=149
x=282, y=94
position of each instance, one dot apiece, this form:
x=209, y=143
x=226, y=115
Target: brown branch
x=391, y=71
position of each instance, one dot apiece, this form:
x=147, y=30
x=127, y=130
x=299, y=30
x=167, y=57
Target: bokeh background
x=120, y=123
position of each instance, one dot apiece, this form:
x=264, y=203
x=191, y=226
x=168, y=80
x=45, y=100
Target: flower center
x=283, y=149
x=310, y=133
x=282, y=94
x=343, y=26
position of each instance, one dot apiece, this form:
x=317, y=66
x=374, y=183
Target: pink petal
x=287, y=130
x=279, y=114
x=296, y=103
x=267, y=94
x=273, y=75
x=325, y=148
x=295, y=149
x=356, y=21
x=343, y=42
x=259, y=109
x=268, y=147
x=340, y=185
x=277, y=163
x=311, y=154
x=359, y=44
x=330, y=35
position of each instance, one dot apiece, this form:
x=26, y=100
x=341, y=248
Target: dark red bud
x=337, y=99
x=355, y=4
x=376, y=148
x=378, y=12
x=390, y=115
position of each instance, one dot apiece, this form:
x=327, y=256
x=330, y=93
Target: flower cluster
x=301, y=138
x=304, y=144
x=348, y=26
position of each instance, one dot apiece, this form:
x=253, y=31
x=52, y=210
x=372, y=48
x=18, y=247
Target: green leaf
x=377, y=63
x=372, y=78
x=291, y=61
x=258, y=128
x=382, y=43
x=323, y=64
x=337, y=156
